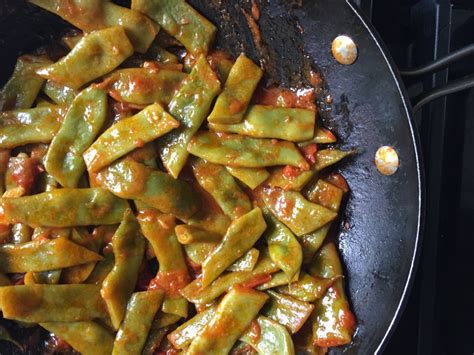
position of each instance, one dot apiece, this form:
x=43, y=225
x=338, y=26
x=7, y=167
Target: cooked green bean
x=22, y=88
x=155, y=337
x=283, y=248
x=82, y=124
x=252, y=177
x=241, y=83
x=308, y=288
x=312, y=242
x=246, y=262
x=60, y=94
x=272, y=338
x=127, y=135
x=95, y=15
x=221, y=185
x=240, y=237
x=240, y=151
x=163, y=319
x=291, y=124
x=64, y=208
x=52, y=303
x=181, y=21
x=96, y=54
x=328, y=157
x=299, y=214
x=189, y=234
x=131, y=180
x=133, y=332
x=129, y=249
x=233, y=315
x=190, y=107
x=50, y=277
x=21, y=233
x=287, y=180
x=101, y=269
x=278, y=279
x=288, y=311
x=88, y=338
x=142, y=86
x=198, y=252
x=36, y=125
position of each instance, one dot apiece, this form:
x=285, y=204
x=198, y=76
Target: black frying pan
x=382, y=223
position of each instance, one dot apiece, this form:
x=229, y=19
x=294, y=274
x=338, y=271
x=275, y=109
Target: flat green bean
x=64, y=208
x=127, y=135
x=278, y=279
x=221, y=185
x=240, y=237
x=21, y=233
x=252, y=177
x=241, y=83
x=129, y=249
x=190, y=107
x=247, y=152
x=312, y=242
x=101, y=270
x=144, y=86
x=95, y=15
x=36, y=125
x=133, y=332
x=84, y=119
x=198, y=252
x=22, y=88
x=233, y=315
x=181, y=21
x=52, y=303
x=96, y=54
x=154, y=340
x=308, y=288
x=246, y=262
x=288, y=181
x=189, y=234
x=328, y=157
x=60, y=94
x=87, y=338
x=131, y=180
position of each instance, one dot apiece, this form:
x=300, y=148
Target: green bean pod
x=278, y=279
x=246, y=262
x=133, y=332
x=247, y=152
x=82, y=124
x=190, y=107
x=308, y=288
x=131, y=180
x=299, y=214
x=290, y=181
x=95, y=15
x=60, y=94
x=143, y=86
x=101, y=270
x=127, y=135
x=22, y=88
x=129, y=249
x=221, y=185
x=64, y=208
x=252, y=177
x=240, y=237
x=189, y=234
x=155, y=337
x=288, y=311
x=87, y=338
x=241, y=83
x=233, y=315
x=36, y=125
x=96, y=54
x=198, y=252
x=181, y=21
x=52, y=303
x=312, y=242
x=21, y=233
x=272, y=338
x=328, y=157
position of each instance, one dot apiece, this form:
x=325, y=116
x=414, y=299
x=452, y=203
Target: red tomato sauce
x=170, y=282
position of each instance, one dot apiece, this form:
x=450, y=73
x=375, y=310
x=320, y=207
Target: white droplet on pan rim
x=386, y=160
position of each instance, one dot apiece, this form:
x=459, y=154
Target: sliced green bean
x=240, y=237
x=321, y=136
x=36, y=125
x=181, y=21
x=133, y=332
x=143, y=86
x=233, y=315
x=131, y=180
x=82, y=124
x=95, y=15
x=240, y=151
x=129, y=249
x=299, y=214
x=88, y=338
x=64, y=208
x=296, y=181
x=308, y=288
x=52, y=303
x=182, y=336
x=154, y=340
x=252, y=177
x=287, y=311
x=163, y=320
x=96, y=54
x=198, y=252
x=312, y=242
x=272, y=338
x=221, y=185
x=22, y=88
x=190, y=107
x=278, y=279
x=246, y=262
x=21, y=233
x=60, y=94
x=328, y=157
x=72, y=38
x=232, y=103
x=127, y=135
x=283, y=248
x=189, y=234
x=101, y=270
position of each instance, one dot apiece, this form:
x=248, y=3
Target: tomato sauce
x=170, y=282
x=257, y=280
x=277, y=96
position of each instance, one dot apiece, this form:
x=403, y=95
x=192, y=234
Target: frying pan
x=380, y=231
